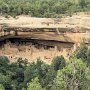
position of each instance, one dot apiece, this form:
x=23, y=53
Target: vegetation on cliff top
x=43, y=8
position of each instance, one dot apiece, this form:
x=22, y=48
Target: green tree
x=81, y=52
x=88, y=57
x=5, y=80
x=82, y=3
x=1, y=87
x=32, y=71
x=38, y=69
x=50, y=75
x=34, y=85
x=58, y=63
x=4, y=64
x=72, y=77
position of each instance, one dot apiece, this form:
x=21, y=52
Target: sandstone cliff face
x=71, y=29
x=42, y=37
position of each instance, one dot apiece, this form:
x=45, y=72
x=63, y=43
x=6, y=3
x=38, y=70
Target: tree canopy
x=43, y=8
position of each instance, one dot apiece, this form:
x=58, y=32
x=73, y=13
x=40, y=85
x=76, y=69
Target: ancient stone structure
x=31, y=38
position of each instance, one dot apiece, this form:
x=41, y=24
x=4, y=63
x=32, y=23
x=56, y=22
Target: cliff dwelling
x=31, y=49
x=33, y=38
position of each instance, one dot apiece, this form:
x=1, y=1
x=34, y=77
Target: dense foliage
x=43, y=8
x=60, y=75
